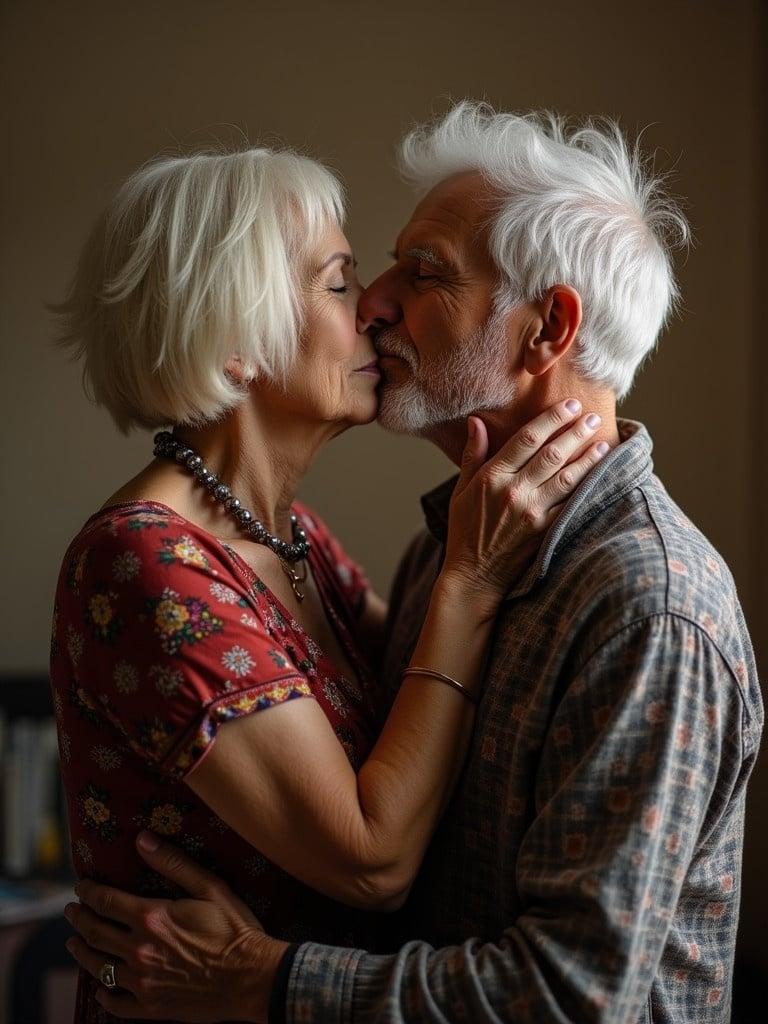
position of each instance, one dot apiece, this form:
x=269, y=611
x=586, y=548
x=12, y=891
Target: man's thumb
x=170, y=862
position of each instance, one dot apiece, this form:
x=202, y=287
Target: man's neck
x=503, y=423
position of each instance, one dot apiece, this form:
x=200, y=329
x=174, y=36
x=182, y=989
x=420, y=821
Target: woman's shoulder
x=139, y=521
x=136, y=542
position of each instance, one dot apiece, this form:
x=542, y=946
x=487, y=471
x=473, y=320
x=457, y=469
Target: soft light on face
x=444, y=352
x=335, y=376
x=416, y=397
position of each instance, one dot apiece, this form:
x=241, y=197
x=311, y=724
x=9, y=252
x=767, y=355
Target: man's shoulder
x=645, y=544
x=642, y=556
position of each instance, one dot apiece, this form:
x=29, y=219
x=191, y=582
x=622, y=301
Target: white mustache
x=389, y=343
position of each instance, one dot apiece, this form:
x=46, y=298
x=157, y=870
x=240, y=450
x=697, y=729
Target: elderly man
x=588, y=865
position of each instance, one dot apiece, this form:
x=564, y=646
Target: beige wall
x=92, y=89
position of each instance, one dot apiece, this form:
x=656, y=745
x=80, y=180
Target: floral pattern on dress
x=75, y=570
x=160, y=637
x=102, y=617
x=96, y=814
x=181, y=549
x=163, y=816
x=75, y=643
x=226, y=595
x=125, y=677
x=155, y=735
x=106, y=758
x=166, y=679
x=180, y=620
x=238, y=661
x=126, y=566
x=148, y=521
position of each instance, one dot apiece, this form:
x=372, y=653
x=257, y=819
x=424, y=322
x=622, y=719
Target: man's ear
x=553, y=333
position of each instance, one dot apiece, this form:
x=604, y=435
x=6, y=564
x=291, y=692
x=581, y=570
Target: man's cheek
x=436, y=325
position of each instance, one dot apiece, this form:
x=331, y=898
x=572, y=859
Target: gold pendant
x=295, y=578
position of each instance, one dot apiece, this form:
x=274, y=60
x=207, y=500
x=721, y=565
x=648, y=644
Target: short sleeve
x=173, y=643
x=349, y=575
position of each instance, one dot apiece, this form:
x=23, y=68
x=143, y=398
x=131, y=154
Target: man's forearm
x=486, y=983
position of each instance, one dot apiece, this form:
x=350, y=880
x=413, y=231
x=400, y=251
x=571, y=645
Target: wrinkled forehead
x=457, y=213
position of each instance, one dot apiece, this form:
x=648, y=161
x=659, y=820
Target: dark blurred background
x=92, y=89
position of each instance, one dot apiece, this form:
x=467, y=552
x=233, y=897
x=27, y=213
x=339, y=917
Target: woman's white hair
x=197, y=259
x=571, y=205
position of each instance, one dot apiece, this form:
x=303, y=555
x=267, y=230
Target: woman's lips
x=372, y=368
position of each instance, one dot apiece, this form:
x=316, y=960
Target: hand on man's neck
x=541, y=393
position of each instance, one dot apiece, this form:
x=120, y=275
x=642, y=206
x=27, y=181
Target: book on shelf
x=33, y=841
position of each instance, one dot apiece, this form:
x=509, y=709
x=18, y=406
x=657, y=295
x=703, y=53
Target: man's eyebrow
x=422, y=252
x=345, y=257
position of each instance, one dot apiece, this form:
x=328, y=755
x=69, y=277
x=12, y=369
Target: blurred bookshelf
x=36, y=875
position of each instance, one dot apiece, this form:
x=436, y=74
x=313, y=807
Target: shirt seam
x=667, y=613
x=662, y=541
x=747, y=730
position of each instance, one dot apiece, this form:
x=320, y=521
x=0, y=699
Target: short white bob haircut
x=570, y=205
x=197, y=258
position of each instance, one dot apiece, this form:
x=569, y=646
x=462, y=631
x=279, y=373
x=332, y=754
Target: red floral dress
x=160, y=634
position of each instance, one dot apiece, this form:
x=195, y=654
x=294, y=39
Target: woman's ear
x=556, y=328
x=238, y=371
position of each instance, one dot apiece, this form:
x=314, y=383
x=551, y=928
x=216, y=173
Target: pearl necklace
x=169, y=447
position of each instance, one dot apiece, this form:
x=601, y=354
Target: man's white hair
x=197, y=258
x=576, y=206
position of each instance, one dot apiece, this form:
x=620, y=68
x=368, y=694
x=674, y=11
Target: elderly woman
x=218, y=296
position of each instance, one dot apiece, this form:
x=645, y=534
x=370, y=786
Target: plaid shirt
x=588, y=866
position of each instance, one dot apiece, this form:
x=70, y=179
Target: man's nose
x=378, y=306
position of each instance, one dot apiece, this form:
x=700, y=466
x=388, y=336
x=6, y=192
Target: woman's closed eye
x=340, y=290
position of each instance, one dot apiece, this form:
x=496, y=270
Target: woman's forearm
x=410, y=773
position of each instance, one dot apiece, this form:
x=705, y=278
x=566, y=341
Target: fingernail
x=572, y=406
x=68, y=911
x=603, y=447
x=68, y=945
x=471, y=429
x=593, y=420
x=148, y=841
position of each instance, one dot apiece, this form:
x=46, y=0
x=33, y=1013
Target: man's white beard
x=472, y=376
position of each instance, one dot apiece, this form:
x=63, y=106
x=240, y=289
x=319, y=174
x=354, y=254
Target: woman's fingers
x=562, y=484
x=97, y=931
x=523, y=445
x=550, y=460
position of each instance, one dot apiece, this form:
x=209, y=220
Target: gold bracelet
x=443, y=678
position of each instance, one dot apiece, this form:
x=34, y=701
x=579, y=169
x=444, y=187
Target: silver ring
x=107, y=975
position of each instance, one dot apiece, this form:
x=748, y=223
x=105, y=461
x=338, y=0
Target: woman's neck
x=262, y=458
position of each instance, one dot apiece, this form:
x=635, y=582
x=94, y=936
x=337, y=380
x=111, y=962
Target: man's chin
x=395, y=416
x=399, y=415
